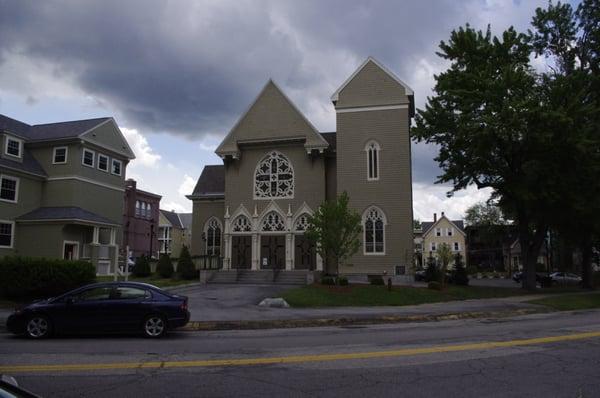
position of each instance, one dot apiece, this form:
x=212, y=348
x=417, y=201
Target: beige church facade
x=278, y=168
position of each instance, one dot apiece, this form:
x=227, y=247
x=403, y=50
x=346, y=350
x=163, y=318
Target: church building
x=278, y=168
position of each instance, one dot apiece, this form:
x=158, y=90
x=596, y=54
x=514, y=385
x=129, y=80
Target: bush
x=185, y=266
x=471, y=270
x=142, y=266
x=432, y=272
x=540, y=267
x=328, y=280
x=165, y=266
x=459, y=274
x=25, y=278
x=377, y=280
x=434, y=285
x=342, y=281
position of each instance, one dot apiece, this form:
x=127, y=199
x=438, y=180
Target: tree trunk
x=586, y=262
x=530, y=248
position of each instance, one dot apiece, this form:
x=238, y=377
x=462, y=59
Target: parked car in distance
x=420, y=275
x=517, y=277
x=111, y=307
x=565, y=278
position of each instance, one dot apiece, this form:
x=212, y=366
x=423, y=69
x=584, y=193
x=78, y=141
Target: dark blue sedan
x=113, y=307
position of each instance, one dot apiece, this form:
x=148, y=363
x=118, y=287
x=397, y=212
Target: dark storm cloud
x=191, y=68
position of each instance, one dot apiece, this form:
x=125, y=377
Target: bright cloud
x=187, y=186
x=429, y=199
x=144, y=154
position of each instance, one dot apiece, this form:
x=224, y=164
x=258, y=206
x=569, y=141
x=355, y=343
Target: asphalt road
x=544, y=355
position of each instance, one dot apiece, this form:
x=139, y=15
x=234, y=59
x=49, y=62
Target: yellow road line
x=297, y=358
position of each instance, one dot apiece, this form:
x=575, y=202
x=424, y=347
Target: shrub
x=377, y=280
x=434, y=285
x=540, y=267
x=432, y=272
x=328, y=280
x=342, y=281
x=185, y=265
x=142, y=266
x=471, y=270
x=165, y=266
x=25, y=277
x=459, y=274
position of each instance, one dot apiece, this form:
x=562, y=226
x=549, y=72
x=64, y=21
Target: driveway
x=229, y=302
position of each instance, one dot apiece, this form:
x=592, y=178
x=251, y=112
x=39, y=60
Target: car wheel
x=38, y=327
x=154, y=326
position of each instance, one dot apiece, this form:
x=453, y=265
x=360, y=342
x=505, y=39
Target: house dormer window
x=274, y=177
x=438, y=232
x=88, y=157
x=450, y=231
x=59, y=155
x=103, y=162
x=372, y=150
x=14, y=147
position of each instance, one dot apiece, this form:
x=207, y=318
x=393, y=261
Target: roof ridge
x=72, y=121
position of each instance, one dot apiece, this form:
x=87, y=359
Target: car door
x=85, y=311
x=127, y=307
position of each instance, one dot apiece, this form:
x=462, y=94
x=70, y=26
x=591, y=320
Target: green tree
x=459, y=274
x=492, y=121
x=570, y=40
x=432, y=272
x=417, y=224
x=185, y=266
x=165, y=266
x=444, y=256
x=484, y=214
x=334, y=229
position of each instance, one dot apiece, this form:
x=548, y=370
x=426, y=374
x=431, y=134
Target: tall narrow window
x=372, y=150
x=116, y=167
x=143, y=212
x=88, y=158
x=374, y=226
x=60, y=155
x=213, y=237
x=6, y=234
x=103, y=162
x=137, y=208
x=9, y=188
x=148, y=211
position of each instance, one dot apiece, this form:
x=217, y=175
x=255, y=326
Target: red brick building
x=140, y=220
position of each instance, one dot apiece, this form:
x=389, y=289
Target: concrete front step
x=260, y=277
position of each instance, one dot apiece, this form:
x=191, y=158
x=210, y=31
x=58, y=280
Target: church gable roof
x=372, y=84
x=271, y=117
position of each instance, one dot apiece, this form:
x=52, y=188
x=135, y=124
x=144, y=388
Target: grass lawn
x=368, y=295
x=153, y=280
x=571, y=302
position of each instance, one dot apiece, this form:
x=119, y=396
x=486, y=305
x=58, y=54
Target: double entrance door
x=272, y=252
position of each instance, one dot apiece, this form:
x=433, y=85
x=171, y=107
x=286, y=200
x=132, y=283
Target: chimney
x=442, y=214
x=130, y=183
x=435, y=217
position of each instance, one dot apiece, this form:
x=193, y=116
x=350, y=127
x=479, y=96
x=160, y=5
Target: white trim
x=101, y=155
x=112, y=162
x=241, y=211
x=377, y=150
x=12, y=234
x=83, y=179
x=130, y=155
x=408, y=90
x=205, y=232
x=19, y=141
x=371, y=108
x=272, y=207
x=18, y=181
x=431, y=228
x=364, y=235
x=66, y=148
x=70, y=242
x=93, y=158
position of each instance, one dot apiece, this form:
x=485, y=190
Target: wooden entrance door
x=272, y=252
x=305, y=256
x=241, y=251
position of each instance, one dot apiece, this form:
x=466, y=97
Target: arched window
x=212, y=231
x=274, y=177
x=374, y=226
x=137, y=208
x=241, y=224
x=273, y=222
x=301, y=223
x=372, y=150
x=143, y=209
x=148, y=211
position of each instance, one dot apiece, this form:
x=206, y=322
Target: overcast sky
x=176, y=75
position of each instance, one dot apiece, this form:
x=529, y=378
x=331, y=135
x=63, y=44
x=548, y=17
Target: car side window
x=130, y=293
x=96, y=293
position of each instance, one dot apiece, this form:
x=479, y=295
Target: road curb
x=198, y=326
